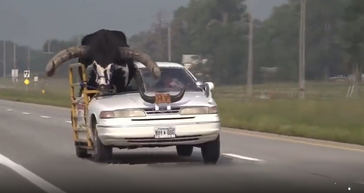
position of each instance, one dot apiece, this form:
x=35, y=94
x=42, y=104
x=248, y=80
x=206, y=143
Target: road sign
x=26, y=81
x=26, y=73
x=14, y=73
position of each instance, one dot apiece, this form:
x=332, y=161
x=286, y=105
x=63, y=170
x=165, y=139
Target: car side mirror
x=210, y=85
x=204, y=85
x=207, y=87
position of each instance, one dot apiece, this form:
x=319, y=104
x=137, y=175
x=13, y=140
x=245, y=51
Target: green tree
x=353, y=37
x=277, y=39
x=276, y=42
x=216, y=30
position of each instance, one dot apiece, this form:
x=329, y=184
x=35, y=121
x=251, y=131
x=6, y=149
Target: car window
x=172, y=79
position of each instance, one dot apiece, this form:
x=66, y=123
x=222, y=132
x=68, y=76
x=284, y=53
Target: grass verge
x=35, y=96
x=337, y=119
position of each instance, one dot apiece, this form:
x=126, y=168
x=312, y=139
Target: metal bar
x=73, y=105
x=89, y=132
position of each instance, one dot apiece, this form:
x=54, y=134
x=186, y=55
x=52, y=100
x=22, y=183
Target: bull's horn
x=63, y=56
x=142, y=58
x=146, y=98
x=151, y=99
x=139, y=82
x=178, y=97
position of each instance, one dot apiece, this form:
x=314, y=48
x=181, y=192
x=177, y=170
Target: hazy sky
x=31, y=22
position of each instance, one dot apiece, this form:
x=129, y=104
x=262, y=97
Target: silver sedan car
x=125, y=120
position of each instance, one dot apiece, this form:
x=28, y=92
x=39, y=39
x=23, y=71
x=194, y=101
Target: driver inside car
x=167, y=81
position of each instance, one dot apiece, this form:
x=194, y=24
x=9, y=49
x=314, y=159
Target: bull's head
x=103, y=76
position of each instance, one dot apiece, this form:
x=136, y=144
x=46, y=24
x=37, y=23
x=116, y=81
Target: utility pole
x=4, y=59
x=49, y=47
x=14, y=70
x=169, y=43
x=302, y=51
x=249, y=86
x=14, y=55
x=28, y=58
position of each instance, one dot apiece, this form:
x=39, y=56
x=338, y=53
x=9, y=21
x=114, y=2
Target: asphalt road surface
x=37, y=155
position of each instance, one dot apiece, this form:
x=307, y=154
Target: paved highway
x=37, y=155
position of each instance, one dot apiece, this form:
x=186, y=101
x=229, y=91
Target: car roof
x=162, y=64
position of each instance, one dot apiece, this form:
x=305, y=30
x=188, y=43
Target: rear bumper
x=144, y=135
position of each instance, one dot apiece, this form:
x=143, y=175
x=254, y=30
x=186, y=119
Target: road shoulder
x=297, y=140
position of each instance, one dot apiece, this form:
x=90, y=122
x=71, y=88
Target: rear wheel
x=211, y=151
x=102, y=152
x=184, y=150
x=81, y=152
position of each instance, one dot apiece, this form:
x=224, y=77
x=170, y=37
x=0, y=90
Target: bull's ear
x=109, y=67
x=94, y=63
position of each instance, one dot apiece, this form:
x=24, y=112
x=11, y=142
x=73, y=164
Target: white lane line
x=242, y=157
x=298, y=140
x=33, y=178
x=68, y=122
x=45, y=117
x=9, y=110
x=25, y=113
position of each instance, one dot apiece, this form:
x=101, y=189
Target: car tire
x=102, y=153
x=81, y=152
x=184, y=150
x=211, y=151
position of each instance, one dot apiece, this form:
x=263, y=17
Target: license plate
x=162, y=98
x=162, y=133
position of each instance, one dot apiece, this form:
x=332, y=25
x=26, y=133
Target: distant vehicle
x=338, y=78
x=125, y=120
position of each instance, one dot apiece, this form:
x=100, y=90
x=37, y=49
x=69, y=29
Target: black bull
x=109, y=47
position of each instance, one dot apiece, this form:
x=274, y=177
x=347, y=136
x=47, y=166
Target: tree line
x=218, y=31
